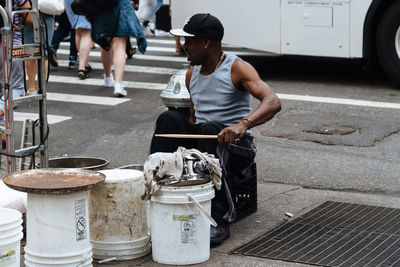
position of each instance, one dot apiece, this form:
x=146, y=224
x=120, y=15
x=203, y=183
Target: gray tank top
x=215, y=98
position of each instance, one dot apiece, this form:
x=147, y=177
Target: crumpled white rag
x=160, y=165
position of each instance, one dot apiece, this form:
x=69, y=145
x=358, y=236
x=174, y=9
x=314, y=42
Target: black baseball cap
x=201, y=25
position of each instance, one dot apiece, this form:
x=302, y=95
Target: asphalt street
x=295, y=149
x=362, y=161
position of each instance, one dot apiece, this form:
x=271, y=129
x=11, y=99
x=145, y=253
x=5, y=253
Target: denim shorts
x=28, y=30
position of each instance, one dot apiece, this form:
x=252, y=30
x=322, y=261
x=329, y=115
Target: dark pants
x=128, y=45
x=175, y=122
x=172, y=122
x=64, y=28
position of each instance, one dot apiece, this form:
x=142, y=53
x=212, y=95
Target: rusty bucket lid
x=58, y=181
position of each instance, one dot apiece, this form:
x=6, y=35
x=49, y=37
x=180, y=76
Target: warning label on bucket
x=7, y=256
x=188, y=227
x=80, y=219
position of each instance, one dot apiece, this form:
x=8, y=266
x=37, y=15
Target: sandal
x=131, y=52
x=88, y=69
x=32, y=91
x=82, y=74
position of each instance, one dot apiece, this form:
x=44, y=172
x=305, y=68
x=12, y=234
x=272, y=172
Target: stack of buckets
x=10, y=237
x=180, y=232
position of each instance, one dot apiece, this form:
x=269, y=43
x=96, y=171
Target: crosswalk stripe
x=172, y=51
x=239, y=53
x=136, y=56
x=100, y=82
x=165, y=42
x=340, y=101
x=86, y=99
x=156, y=41
x=129, y=68
x=51, y=119
x=161, y=86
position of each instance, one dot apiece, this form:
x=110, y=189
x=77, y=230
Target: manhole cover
x=333, y=130
x=334, y=234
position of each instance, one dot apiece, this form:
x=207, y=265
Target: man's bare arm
x=245, y=77
x=192, y=118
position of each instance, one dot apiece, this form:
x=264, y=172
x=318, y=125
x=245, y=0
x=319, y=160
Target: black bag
x=163, y=19
x=107, y=4
x=89, y=7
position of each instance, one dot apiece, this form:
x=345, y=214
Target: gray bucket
x=78, y=162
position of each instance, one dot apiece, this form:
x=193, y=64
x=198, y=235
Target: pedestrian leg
x=118, y=46
x=106, y=59
x=84, y=43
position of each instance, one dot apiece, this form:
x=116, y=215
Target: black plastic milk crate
x=242, y=180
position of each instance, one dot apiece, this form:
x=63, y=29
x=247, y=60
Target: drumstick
x=190, y=136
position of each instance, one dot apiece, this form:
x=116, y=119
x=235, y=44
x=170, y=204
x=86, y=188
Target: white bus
x=367, y=29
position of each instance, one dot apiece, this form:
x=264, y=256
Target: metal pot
x=78, y=162
x=176, y=95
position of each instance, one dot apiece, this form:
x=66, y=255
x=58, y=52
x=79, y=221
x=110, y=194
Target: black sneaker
x=52, y=56
x=219, y=234
x=73, y=64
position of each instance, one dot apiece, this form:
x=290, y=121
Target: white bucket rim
x=182, y=197
x=99, y=254
x=144, y=239
x=16, y=238
x=14, y=216
x=58, y=261
x=70, y=255
x=10, y=226
x=186, y=188
x=198, y=261
x=121, y=175
x=11, y=232
x=88, y=262
x=127, y=250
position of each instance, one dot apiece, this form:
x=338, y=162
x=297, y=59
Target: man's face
x=195, y=50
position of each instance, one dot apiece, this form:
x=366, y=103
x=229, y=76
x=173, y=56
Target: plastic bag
x=51, y=7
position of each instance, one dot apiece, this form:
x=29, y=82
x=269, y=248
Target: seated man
x=220, y=87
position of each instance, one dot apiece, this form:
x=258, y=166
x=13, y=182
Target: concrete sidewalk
x=274, y=200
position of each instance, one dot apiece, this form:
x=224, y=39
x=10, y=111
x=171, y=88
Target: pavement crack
x=353, y=190
x=387, y=138
x=328, y=188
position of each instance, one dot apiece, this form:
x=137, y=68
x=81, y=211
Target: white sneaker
x=108, y=81
x=147, y=31
x=119, y=90
x=161, y=33
x=152, y=26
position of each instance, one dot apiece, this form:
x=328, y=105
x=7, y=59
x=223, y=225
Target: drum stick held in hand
x=190, y=136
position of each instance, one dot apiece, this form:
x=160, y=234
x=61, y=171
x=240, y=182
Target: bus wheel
x=388, y=42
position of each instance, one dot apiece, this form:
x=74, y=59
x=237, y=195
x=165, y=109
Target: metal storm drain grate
x=333, y=234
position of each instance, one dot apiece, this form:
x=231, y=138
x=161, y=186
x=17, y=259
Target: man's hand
x=232, y=134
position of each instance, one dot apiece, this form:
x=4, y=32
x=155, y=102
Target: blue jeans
x=18, y=81
x=28, y=30
x=159, y=4
x=63, y=30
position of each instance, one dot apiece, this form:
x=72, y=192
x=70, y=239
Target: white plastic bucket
x=118, y=216
x=180, y=231
x=10, y=237
x=58, y=230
